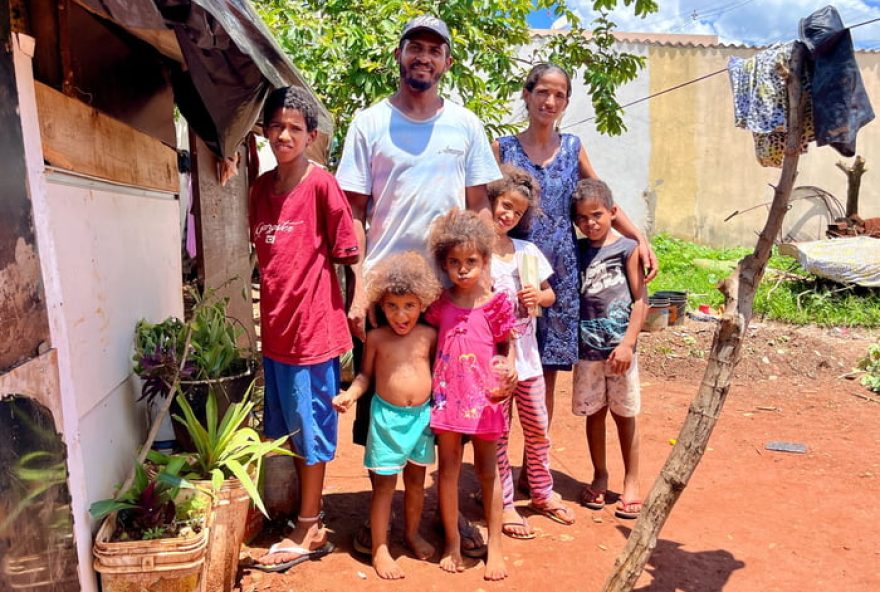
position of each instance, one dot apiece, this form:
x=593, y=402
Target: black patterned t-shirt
x=605, y=297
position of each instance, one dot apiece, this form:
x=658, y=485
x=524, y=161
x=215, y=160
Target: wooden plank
x=81, y=139
x=222, y=233
x=24, y=325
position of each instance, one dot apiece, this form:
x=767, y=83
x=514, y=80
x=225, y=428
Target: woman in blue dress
x=558, y=161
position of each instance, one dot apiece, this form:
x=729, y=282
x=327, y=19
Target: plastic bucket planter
x=677, y=305
x=160, y=565
x=657, y=318
x=229, y=519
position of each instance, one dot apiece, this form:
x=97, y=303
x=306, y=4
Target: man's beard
x=418, y=84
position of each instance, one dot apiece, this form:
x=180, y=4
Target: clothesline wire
x=865, y=23
x=652, y=95
x=686, y=83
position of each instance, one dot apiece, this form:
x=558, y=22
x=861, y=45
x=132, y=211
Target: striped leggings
x=531, y=407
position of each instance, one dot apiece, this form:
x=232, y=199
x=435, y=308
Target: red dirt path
x=749, y=520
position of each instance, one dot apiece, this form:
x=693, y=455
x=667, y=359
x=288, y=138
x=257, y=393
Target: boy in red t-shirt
x=301, y=224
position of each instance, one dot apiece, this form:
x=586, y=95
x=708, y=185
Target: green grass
x=787, y=293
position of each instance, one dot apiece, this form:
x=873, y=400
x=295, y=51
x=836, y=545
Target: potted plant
x=227, y=458
x=153, y=533
x=215, y=361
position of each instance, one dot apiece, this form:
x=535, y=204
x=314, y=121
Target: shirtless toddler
x=397, y=359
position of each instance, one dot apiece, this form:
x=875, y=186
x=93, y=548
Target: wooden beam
x=81, y=139
x=223, y=236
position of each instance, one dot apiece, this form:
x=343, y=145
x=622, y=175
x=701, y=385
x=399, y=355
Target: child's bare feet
x=451, y=561
x=496, y=569
x=421, y=549
x=385, y=566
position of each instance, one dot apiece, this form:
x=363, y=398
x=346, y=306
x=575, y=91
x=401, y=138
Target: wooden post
x=853, y=184
x=739, y=291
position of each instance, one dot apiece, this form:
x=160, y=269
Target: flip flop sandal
x=507, y=529
x=561, y=514
x=622, y=512
x=590, y=498
x=304, y=555
x=468, y=532
x=477, y=549
x=362, y=541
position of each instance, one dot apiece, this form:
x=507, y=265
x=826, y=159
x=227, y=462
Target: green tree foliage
x=345, y=49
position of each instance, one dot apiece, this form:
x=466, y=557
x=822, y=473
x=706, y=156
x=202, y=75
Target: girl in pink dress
x=473, y=327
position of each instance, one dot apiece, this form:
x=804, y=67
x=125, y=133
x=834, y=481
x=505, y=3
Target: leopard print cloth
x=760, y=101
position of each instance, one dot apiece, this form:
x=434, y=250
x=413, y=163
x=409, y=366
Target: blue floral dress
x=553, y=233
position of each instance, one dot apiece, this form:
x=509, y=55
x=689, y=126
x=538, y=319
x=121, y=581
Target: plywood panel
x=118, y=261
x=79, y=138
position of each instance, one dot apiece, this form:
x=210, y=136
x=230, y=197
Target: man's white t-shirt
x=506, y=279
x=413, y=171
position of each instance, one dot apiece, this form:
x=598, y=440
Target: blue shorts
x=398, y=435
x=298, y=403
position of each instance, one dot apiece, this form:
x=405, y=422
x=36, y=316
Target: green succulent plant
x=224, y=446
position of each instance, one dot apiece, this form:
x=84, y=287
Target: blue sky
x=756, y=22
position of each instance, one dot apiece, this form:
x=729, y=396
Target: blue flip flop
x=304, y=555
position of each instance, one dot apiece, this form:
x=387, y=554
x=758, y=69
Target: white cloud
x=756, y=22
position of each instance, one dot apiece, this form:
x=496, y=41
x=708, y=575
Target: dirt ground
x=750, y=519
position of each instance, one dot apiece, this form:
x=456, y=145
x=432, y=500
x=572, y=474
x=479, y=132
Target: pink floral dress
x=462, y=376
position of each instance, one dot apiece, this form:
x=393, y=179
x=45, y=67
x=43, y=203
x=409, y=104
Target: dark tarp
x=230, y=62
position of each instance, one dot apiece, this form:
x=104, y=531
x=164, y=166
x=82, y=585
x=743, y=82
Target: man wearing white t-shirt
x=408, y=159
x=412, y=157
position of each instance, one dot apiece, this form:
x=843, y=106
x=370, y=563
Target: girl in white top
x=521, y=270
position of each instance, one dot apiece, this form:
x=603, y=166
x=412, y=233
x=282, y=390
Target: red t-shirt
x=297, y=235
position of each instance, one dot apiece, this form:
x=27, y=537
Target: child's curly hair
x=516, y=179
x=403, y=273
x=460, y=228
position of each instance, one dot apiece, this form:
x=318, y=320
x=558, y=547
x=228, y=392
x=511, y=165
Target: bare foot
x=451, y=561
x=385, y=566
x=421, y=549
x=495, y=567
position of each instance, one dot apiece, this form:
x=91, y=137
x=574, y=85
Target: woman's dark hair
x=291, y=97
x=537, y=72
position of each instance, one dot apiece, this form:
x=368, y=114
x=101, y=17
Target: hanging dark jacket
x=840, y=103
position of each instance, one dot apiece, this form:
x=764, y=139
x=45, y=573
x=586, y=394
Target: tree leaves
x=345, y=50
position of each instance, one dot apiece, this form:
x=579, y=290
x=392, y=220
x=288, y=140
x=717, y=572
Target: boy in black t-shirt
x=612, y=308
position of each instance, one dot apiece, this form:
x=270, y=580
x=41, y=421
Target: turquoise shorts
x=398, y=435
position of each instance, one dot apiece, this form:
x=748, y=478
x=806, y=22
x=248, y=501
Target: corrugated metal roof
x=673, y=40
